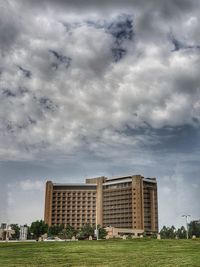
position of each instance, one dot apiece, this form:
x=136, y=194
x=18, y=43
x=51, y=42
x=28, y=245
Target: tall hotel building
x=128, y=204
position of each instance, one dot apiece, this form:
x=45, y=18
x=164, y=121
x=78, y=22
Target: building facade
x=125, y=203
x=23, y=232
x=6, y=231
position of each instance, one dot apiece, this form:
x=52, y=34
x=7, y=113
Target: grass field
x=113, y=253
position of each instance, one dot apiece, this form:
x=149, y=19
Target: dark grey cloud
x=165, y=7
x=25, y=72
x=60, y=59
x=99, y=88
x=8, y=29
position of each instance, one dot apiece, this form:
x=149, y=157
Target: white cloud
x=55, y=109
x=29, y=185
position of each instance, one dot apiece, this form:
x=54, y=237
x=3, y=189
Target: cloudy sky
x=91, y=88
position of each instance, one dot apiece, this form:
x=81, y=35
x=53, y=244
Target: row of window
x=84, y=205
x=74, y=193
x=74, y=224
x=117, y=193
x=120, y=185
x=74, y=208
x=73, y=203
x=111, y=205
x=72, y=221
x=120, y=219
x=89, y=199
x=119, y=225
x=73, y=216
x=117, y=198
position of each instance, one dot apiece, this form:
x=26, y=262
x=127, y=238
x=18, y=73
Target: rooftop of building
x=120, y=177
x=74, y=184
x=91, y=182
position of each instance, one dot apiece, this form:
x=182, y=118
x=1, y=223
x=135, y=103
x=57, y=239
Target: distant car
x=48, y=239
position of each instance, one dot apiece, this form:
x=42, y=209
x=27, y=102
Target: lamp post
x=186, y=221
x=96, y=230
x=6, y=232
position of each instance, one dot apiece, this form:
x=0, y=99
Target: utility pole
x=96, y=230
x=186, y=221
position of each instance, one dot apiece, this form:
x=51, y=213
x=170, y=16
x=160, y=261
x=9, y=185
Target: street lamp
x=186, y=221
x=96, y=230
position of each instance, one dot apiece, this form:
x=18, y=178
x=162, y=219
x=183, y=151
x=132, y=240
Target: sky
x=99, y=88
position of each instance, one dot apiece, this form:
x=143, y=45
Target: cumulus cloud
x=31, y=185
x=59, y=84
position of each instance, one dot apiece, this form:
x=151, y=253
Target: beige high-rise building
x=128, y=204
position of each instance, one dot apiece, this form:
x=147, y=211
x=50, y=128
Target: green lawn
x=139, y=252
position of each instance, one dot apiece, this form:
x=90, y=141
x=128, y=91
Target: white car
x=48, y=239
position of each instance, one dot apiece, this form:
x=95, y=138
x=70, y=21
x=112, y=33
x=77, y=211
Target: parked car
x=52, y=238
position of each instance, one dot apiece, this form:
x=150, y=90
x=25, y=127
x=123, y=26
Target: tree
x=194, y=228
x=102, y=232
x=54, y=230
x=181, y=232
x=16, y=228
x=68, y=232
x=172, y=232
x=38, y=228
x=168, y=232
x=86, y=231
x=29, y=234
x=164, y=232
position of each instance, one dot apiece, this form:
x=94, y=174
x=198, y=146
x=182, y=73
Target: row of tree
x=172, y=232
x=39, y=228
x=68, y=232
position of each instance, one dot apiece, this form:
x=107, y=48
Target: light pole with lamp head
x=97, y=230
x=186, y=221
